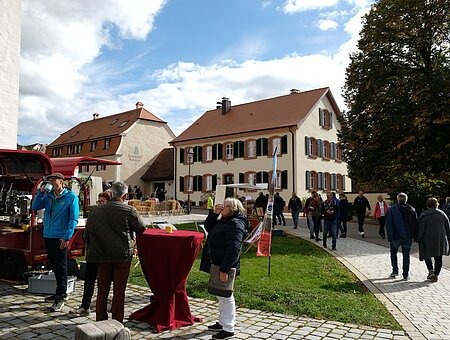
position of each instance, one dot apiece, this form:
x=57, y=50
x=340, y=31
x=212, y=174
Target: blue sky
x=177, y=56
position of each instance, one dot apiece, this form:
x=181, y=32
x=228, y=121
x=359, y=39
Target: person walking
x=110, y=238
x=343, y=214
x=315, y=211
x=401, y=227
x=278, y=209
x=295, y=206
x=223, y=249
x=60, y=219
x=446, y=207
x=90, y=273
x=433, y=237
x=379, y=214
x=360, y=204
x=329, y=213
x=261, y=203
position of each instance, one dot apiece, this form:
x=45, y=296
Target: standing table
x=166, y=259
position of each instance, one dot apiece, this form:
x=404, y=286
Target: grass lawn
x=304, y=281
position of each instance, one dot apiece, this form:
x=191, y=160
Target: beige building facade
x=236, y=146
x=134, y=138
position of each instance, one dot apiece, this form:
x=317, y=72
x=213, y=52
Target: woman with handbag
x=221, y=257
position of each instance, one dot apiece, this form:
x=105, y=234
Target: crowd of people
x=112, y=226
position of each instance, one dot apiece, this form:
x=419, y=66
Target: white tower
x=10, y=29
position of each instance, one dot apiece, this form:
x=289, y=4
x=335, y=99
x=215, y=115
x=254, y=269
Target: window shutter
x=265, y=177
x=241, y=177
x=259, y=177
x=199, y=183
x=214, y=182
x=333, y=150
x=181, y=155
x=214, y=152
x=308, y=179
x=284, y=144
x=200, y=153
x=195, y=155
x=258, y=147
x=343, y=183
x=236, y=149
x=321, y=122
x=319, y=148
x=241, y=148
x=219, y=150
x=331, y=120
x=181, y=184
x=194, y=184
x=333, y=181
x=265, y=144
x=284, y=179
x=307, y=146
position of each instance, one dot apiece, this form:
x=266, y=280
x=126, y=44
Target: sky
x=178, y=57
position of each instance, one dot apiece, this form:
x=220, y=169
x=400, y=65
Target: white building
x=134, y=138
x=235, y=144
x=10, y=30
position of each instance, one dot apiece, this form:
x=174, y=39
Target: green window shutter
x=308, y=180
x=265, y=144
x=284, y=179
x=241, y=177
x=284, y=144
x=181, y=155
x=181, y=184
x=219, y=151
x=258, y=147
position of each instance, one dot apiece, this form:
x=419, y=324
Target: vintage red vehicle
x=21, y=232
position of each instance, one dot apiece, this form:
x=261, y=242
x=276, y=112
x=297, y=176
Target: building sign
x=135, y=154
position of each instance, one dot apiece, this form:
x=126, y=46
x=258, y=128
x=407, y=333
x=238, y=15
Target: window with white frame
x=252, y=178
x=229, y=151
x=208, y=183
x=251, y=148
x=278, y=180
x=276, y=144
x=101, y=167
x=84, y=168
x=208, y=153
x=190, y=183
x=189, y=155
x=309, y=147
x=107, y=143
x=93, y=145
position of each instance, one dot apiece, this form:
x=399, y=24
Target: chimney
x=294, y=91
x=139, y=105
x=95, y=115
x=226, y=105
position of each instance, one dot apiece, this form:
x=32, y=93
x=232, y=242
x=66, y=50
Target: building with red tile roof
x=235, y=144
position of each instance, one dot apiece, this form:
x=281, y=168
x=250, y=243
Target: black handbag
x=217, y=287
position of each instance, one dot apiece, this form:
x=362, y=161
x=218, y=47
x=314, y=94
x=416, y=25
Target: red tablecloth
x=166, y=259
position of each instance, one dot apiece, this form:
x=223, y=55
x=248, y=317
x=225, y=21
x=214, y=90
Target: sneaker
x=295, y=227
x=333, y=248
x=216, y=327
x=362, y=234
x=405, y=278
x=80, y=311
x=223, y=335
x=432, y=278
x=430, y=275
x=318, y=239
x=324, y=245
x=343, y=235
x=312, y=237
x=57, y=306
x=393, y=274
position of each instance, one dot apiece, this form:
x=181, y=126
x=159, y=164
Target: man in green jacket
x=110, y=238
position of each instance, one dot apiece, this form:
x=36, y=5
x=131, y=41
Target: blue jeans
x=294, y=214
x=330, y=226
x=406, y=248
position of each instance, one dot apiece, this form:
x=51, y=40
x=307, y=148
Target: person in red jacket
x=379, y=214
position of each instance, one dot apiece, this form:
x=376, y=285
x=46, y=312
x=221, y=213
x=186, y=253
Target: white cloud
x=293, y=6
x=59, y=90
x=59, y=38
x=327, y=24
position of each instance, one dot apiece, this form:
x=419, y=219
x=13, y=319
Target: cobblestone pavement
x=421, y=307
x=24, y=316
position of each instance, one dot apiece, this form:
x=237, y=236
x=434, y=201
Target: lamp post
x=190, y=157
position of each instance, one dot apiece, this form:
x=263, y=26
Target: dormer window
x=114, y=121
x=123, y=123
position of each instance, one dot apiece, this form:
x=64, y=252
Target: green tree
x=398, y=94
